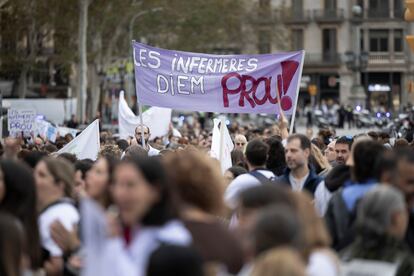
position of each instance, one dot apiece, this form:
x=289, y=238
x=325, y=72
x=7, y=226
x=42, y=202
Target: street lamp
x=138, y=15
x=131, y=32
x=357, y=63
x=122, y=70
x=102, y=78
x=355, y=60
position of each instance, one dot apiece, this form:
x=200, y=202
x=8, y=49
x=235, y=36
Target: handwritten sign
x=21, y=120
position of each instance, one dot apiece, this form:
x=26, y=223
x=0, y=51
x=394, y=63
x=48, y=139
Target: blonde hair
x=315, y=233
x=320, y=158
x=279, y=261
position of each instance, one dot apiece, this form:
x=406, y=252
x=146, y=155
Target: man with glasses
x=138, y=136
x=240, y=142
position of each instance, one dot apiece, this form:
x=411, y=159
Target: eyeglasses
x=139, y=133
x=240, y=144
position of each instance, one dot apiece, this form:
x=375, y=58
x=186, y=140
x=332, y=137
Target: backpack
x=263, y=179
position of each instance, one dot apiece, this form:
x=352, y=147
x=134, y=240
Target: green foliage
x=191, y=25
x=196, y=25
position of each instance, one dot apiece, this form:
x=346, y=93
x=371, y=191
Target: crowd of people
x=290, y=205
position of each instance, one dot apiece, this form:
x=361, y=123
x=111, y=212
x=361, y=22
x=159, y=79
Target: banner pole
x=139, y=104
x=292, y=121
x=222, y=126
x=142, y=125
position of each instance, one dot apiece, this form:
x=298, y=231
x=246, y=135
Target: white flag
x=86, y=144
x=156, y=118
x=228, y=146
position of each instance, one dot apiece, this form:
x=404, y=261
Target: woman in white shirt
x=54, y=182
x=147, y=220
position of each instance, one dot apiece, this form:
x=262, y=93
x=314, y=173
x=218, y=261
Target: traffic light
x=409, y=16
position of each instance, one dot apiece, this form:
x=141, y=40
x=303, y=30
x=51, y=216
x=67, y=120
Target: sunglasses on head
x=347, y=137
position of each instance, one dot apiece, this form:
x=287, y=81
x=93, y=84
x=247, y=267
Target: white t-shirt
x=119, y=260
x=240, y=184
x=323, y=263
x=297, y=184
x=64, y=212
x=322, y=197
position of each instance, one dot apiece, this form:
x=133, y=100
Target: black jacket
x=409, y=236
x=311, y=182
x=339, y=222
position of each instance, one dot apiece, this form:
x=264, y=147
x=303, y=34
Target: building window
x=330, y=5
x=398, y=40
x=378, y=8
x=329, y=43
x=297, y=39
x=398, y=9
x=378, y=40
x=297, y=6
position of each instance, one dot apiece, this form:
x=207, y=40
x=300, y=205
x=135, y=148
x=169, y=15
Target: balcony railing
x=323, y=59
x=297, y=17
x=329, y=16
x=385, y=58
x=378, y=15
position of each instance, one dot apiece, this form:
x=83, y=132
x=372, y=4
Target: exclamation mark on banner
x=289, y=69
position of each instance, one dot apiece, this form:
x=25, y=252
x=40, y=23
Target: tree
x=83, y=64
x=214, y=26
x=33, y=43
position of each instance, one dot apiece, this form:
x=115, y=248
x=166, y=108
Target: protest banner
x=51, y=133
x=21, y=120
x=221, y=145
x=41, y=127
x=156, y=118
x=86, y=144
x=217, y=83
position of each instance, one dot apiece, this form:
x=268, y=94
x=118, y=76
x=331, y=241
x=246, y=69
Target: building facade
x=355, y=49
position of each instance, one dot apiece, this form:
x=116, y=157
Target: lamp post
x=122, y=70
x=102, y=78
x=357, y=61
x=138, y=15
x=131, y=33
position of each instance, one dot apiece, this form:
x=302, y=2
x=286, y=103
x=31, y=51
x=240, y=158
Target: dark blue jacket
x=311, y=182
